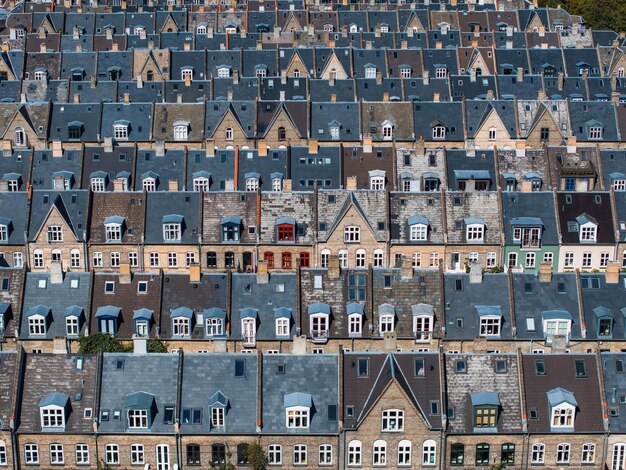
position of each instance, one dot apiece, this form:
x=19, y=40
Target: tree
x=256, y=456
x=598, y=14
x=95, y=342
x=156, y=346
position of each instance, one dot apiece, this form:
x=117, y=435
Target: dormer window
x=218, y=404
x=297, y=410
x=120, y=130
x=41, y=75
x=441, y=72
x=149, y=183
x=75, y=130
x=386, y=318
x=355, y=314
x=405, y=71
x=139, y=30
x=377, y=180
x=527, y=231
x=474, y=230
x=370, y=71
x=38, y=320
x=19, y=137
x=181, y=130
x=354, y=28
x=490, y=320
x=113, y=228
x=595, y=133
x=387, y=128
x=73, y=317
x=587, y=228
x=5, y=227
x=260, y=71
x=384, y=28
x=201, y=181
x=143, y=320
x=605, y=322
x=319, y=318
x=439, y=132
x=223, y=72
x=277, y=184
x=486, y=406
x=252, y=183
x=562, y=409
x=214, y=320
x=107, y=317
x=423, y=321
x=230, y=228
x=186, y=73
x=282, y=318
x=618, y=181
x=556, y=323
x=334, y=127
x=181, y=321
x=418, y=228
x=52, y=409
x=172, y=228
x=286, y=229
x=201, y=29
x=329, y=28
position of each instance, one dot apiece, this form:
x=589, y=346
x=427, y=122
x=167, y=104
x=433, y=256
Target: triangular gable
x=57, y=207
x=390, y=373
x=348, y=203
x=491, y=111
x=7, y=66
x=169, y=23
x=282, y=110
x=46, y=25
x=20, y=118
x=232, y=112
x=292, y=23
x=296, y=62
x=477, y=61
x=533, y=22
x=541, y=116
x=151, y=63
x=414, y=22
x=619, y=60
x=333, y=63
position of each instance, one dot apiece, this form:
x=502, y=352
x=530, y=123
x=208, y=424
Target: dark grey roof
x=534, y=204
x=64, y=113
x=604, y=301
x=72, y=205
x=170, y=166
x=315, y=375
x=139, y=116
x=46, y=167
x=161, y=204
x=583, y=114
x=14, y=208
x=614, y=387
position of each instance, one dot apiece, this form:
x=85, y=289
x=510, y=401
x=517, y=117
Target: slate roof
x=162, y=204
x=72, y=205
x=596, y=205
x=614, y=385
x=314, y=375
x=155, y=374
x=604, y=302
x=535, y=204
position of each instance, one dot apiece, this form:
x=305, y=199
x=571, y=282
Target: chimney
x=58, y=183
x=78, y=48
x=56, y=273
x=57, y=149
x=262, y=275
x=229, y=94
x=109, y=34
x=476, y=273
x=585, y=74
x=140, y=345
x=287, y=186
x=262, y=148
x=186, y=46
x=313, y=146
x=379, y=78
x=438, y=45
x=125, y=275
x=622, y=34
x=351, y=183
x=472, y=75
x=118, y=185
x=126, y=97
x=59, y=345
x=333, y=98
x=404, y=44
x=509, y=44
x=76, y=97
x=542, y=30
x=474, y=43
x=159, y=148
x=75, y=33
x=615, y=43
x=561, y=81
x=612, y=273
x=194, y=273
x=108, y=144
x=390, y=339
x=4, y=185
x=520, y=74
x=436, y=97
x=179, y=96
x=527, y=186
x=545, y=271
x=43, y=47
x=541, y=95
x=142, y=35
x=571, y=144
x=407, y=267
x=42, y=33
x=139, y=81
x=368, y=44
x=426, y=77
x=615, y=97
x=172, y=186
x=367, y=144
x=385, y=96
x=333, y=267
x=235, y=77
x=490, y=94
x=281, y=95
x=115, y=47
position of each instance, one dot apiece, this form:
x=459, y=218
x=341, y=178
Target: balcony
x=319, y=336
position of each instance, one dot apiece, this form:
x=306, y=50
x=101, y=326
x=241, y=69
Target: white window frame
x=352, y=234
x=439, y=132
x=98, y=184
x=81, y=452
x=214, y=327
x=37, y=325
x=595, y=133
x=282, y=326
x=475, y=232
x=113, y=232
x=180, y=326
x=588, y=232
x=72, y=326
x=588, y=455
x=387, y=129
x=55, y=234
x=172, y=232
x=52, y=416
x=112, y=454
x=538, y=453
x=181, y=132
x=120, y=131
x=201, y=184
x=300, y=454
x=137, y=419
x=419, y=232
x=423, y=327
x=57, y=455
x=562, y=416
x=137, y=454
x=252, y=184
x=429, y=453
x=563, y=453
x=386, y=323
x=274, y=454
x=379, y=453
x=325, y=454
x=297, y=417
x=355, y=449
x=31, y=454
x=490, y=326
x=404, y=453
x=392, y=420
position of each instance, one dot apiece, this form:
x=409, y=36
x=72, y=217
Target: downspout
x=236, y=176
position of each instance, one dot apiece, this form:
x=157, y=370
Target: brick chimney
x=125, y=275
x=262, y=274
x=351, y=182
x=407, y=267
x=612, y=273
x=194, y=273
x=545, y=271
x=56, y=273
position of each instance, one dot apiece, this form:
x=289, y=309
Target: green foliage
x=228, y=465
x=497, y=466
x=599, y=14
x=93, y=343
x=496, y=269
x=256, y=456
x=156, y=346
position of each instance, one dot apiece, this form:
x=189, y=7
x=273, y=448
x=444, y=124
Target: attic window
x=120, y=131
x=181, y=130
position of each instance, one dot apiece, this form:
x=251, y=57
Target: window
x=211, y=259
x=419, y=232
x=378, y=258
x=82, y=454
x=19, y=137
x=286, y=232
x=218, y=454
x=325, y=454
x=137, y=456
x=172, y=260
x=475, y=232
x=55, y=234
x=181, y=132
x=120, y=131
x=393, y=420
x=386, y=323
x=286, y=260
x=530, y=260
x=56, y=454
x=354, y=325
x=229, y=133
x=149, y=184
x=31, y=454
x=277, y=184
x=482, y=454
x=217, y=417
x=485, y=416
x=154, y=260
x=404, y=452
x=562, y=453
x=354, y=453
x=282, y=326
x=299, y=454
x=387, y=131
x=214, y=327
x=377, y=183
x=538, y=454
x=252, y=184
x=193, y=454
x=297, y=417
x=507, y=454
x=490, y=325
x=595, y=133
x=186, y=73
x=589, y=454
x=380, y=453
x=588, y=232
x=352, y=234
x=113, y=232
x=563, y=416
x=172, y=232
x=439, y=132
x=429, y=452
x=457, y=454
x=180, y=326
x=569, y=259
x=441, y=72
x=587, y=259
x=274, y=454
x=492, y=133
x=138, y=419
x=370, y=72
x=360, y=258
x=423, y=327
x=71, y=326
x=37, y=325
x=112, y=454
